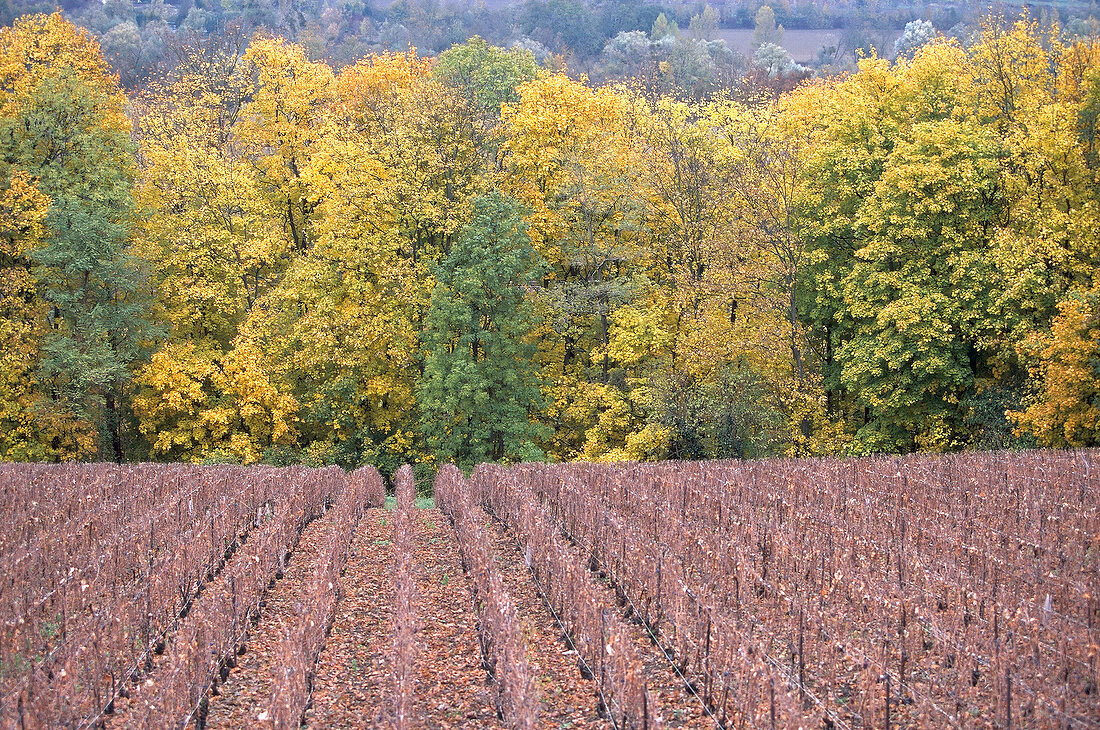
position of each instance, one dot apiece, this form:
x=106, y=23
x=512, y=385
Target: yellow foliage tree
x=571, y=158
x=215, y=244
x=279, y=126
x=193, y=407
x=37, y=46
x=1066, y=413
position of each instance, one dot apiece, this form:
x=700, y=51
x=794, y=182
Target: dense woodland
x=256, y=256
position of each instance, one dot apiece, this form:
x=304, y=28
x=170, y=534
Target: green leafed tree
x=63, y=125
x=90, y=281
x=486, y=75
x=480, y=391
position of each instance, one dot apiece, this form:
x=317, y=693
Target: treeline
x=472, y=258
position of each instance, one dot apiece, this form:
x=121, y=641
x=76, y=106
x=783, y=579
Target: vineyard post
x=901, y=551
x=821, y=585
x=64, y=607
x=771, y=694
x=97, y=697
x=660, y=606
x=801, y=656
x=887, y=726
x=706, y=657
x=904, y=655
x=115, y=571
x=149, y=595
x=603, y=656
x=233, y=593
x=622, y=552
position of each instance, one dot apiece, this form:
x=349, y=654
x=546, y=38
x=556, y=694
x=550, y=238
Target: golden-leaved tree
x=1066, y=412
x=216, y=245
x=571, y=157
x=22, y=317
x=340, y=329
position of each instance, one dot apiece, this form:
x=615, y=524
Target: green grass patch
x=420, y=503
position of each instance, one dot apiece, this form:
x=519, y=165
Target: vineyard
x=901, y=592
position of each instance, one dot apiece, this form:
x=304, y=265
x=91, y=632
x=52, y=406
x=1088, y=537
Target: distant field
x=803, y=45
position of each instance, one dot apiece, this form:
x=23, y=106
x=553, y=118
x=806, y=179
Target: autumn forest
x=257, y=257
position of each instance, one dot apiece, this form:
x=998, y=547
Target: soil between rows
x=452, y=687
x=351, y=686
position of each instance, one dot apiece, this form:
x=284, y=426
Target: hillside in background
x=140, y=37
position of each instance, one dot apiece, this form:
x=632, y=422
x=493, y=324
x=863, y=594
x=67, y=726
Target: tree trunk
x=114, y=425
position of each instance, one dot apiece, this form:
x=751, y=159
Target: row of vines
x=136, y=585
x=951, y=591
x=499, y=632
x=600, y=636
